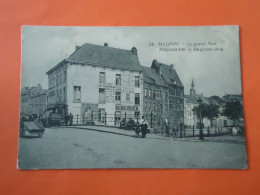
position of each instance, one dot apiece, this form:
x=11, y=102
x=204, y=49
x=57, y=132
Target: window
x=60, y=95
x=153, y=94
x=102, y=96
x=64, y=95
x=137, y=81
x=77, y=93
x=150, y=93
x=145, y=92
x=166, y=96
x=57, y=80
x=64, y=76
x=137, y=98
x=102, y=78
x=118, y=79
x=127, y=97
x=60, y=78
x=118, y=96
x=118, y=116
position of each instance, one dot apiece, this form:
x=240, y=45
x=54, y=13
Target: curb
x=98, y=130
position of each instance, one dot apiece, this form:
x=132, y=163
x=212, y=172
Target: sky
x=214, y=72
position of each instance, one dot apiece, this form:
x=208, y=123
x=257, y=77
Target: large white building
x=97, y=81
x=191, y=101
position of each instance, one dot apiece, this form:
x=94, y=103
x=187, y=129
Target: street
x=70, y=148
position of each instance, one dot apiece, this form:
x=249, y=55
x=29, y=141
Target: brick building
x=163, y=94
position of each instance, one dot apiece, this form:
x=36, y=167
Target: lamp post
x=201, y=131
x=181, y=127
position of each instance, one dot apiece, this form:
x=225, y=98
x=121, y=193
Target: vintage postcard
x=131, y=97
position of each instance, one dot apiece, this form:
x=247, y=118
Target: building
x=163, y=94
x=33, y=100
x=154, y=97
x=191, y=101
x=98, y=79
x=223, y=121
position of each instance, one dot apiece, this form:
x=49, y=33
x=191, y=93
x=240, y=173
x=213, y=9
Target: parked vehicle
x=30, y=125
x=55, y=116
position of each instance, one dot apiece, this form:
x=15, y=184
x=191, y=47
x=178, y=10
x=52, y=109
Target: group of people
x=143, y=127
x=69, y=119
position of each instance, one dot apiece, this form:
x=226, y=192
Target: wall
x=57, y=82
x=159, y=113
x=87, y=77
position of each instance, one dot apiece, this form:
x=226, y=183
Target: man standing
x=71, y=118
x=144, y=126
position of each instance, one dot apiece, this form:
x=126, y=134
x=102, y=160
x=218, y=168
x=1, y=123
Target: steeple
x=192, y=90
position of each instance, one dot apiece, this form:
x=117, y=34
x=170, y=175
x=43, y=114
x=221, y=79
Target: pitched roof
x=106, y=56
x=170, y=75
x=33, y=91
x=193, y=99
x=150, y=76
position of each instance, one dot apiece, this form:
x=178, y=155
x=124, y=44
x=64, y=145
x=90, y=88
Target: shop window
x=137, y=98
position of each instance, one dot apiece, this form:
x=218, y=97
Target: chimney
x=172, y=66
x=156, y=66
x=134, y=51
x=77, y=48
x=105, y=45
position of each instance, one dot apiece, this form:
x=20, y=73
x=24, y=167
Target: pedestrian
x=137, y=129
x=165, y=126
x=144, y=126
x=66, y=119
x=71, y=118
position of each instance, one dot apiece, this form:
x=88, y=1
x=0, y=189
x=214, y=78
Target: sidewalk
x=116, y=130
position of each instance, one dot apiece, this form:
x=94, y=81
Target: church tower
x=192, y=90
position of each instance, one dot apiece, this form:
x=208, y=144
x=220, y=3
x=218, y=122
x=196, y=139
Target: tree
x=212, y=112
x=200, y=111
x=233, y=110
x=209, y=111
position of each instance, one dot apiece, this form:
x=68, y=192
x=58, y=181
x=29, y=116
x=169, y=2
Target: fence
x=156, y=124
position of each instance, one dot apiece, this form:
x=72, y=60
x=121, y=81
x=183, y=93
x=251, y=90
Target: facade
x=98, y=79
x=155, y=100
x=163, y=90
x=33, y=100
x=190, y=101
